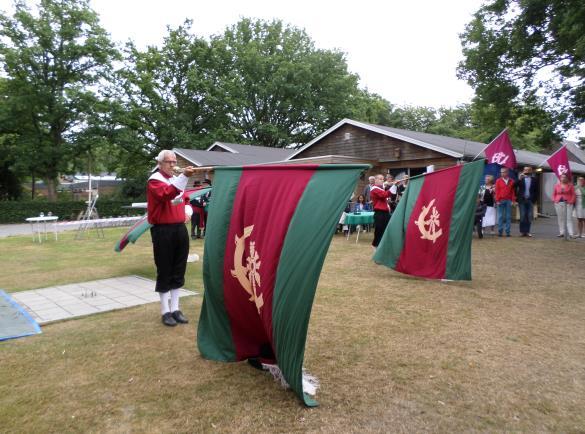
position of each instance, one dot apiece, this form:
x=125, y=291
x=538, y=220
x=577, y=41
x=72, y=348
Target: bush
x=16, y=211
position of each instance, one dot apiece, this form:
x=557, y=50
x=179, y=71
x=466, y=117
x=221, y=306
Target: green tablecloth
x=363, y=218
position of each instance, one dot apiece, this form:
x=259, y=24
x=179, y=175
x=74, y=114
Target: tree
x=53, y=60
x=372, y=108
x=10, y=181
x=167, y=94
x=413, y=118
x=519, y=51
x=277, y=88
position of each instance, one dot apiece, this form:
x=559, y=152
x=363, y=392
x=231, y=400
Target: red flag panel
x=427, y=232
x=500, y=151
x=252, y=253
x=559, y=163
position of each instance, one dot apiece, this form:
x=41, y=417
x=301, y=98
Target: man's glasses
x=169, y=161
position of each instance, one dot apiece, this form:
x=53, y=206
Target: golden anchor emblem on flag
x=432, y=233
x=248, y=274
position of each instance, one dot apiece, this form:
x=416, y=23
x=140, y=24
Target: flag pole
x=485, y=147
x=482, y=150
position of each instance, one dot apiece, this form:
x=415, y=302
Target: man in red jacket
x=505, y=196
x=379, y=198
x=168, y=213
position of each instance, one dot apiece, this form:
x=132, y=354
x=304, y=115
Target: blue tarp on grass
x=15, y=322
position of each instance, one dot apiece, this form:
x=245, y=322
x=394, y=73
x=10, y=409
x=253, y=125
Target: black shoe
x=499, y=235
x=255, y=363
x=179, y=317
x=168, y=320
x=193, y=237
x=508, y=235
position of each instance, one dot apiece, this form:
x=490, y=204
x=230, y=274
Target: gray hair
x=371, y=177
x=162, y=154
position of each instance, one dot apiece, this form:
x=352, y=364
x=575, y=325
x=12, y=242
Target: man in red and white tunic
x=379, y=197
x=168, y=213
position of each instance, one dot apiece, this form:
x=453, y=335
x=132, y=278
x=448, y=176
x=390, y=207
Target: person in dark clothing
x=487, y=194
x=197, y=215
x=479, y=214
x=205, y=199
x=196, y=218
x=527, y=195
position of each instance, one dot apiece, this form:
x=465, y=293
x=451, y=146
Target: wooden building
x=398, y=151
x=388, y=150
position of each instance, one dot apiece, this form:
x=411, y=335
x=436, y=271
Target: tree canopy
x=529, y=52
x=70, y=97
x=53, y=60
x=277, y=87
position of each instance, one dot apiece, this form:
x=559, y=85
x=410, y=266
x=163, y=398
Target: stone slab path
x=79, y=299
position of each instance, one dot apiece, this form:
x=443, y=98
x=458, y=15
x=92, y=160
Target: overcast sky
x=406, y=51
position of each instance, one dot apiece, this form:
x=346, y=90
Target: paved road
x=544, y=227
x=25, y=229
x=541, y=228
x=18, y=229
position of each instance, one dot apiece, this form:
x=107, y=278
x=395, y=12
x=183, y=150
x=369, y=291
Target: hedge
x=16, y=211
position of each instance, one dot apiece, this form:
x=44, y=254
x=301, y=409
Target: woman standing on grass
x=580, y=205
x=486, y=194
x=564, y=199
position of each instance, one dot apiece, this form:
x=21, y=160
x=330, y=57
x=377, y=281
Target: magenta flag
x=500, y=151
x=559, y=163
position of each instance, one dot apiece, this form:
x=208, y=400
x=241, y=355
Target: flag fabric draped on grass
x=269, y=229
x=429, y=234
x=142, y=225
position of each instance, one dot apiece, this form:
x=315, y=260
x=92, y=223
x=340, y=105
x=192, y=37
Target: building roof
x=573, y=148
x=233, y=155
x=457, y=148
x=256, y=151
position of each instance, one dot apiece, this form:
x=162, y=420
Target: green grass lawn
x=505, y=352
x=31, y=265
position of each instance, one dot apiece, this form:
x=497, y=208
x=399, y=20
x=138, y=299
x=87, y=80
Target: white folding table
x=39, y=226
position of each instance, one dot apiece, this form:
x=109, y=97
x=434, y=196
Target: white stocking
x=174, y=300
x=164, y=302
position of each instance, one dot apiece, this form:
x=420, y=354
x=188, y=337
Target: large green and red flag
x=269, y=228
x=429, y=234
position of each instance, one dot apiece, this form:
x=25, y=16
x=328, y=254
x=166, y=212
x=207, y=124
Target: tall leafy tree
x=414, y=118
x=54, y=59
x=372, y=108
x=278, y=88
x=167, y=95
x=516, y=51
x=10, y=178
